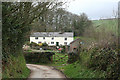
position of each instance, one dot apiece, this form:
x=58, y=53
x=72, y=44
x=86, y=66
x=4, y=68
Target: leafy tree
x=62, y=20
x=17, y=19
x=80, y=24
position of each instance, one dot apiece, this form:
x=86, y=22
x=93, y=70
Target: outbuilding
x=74, y=50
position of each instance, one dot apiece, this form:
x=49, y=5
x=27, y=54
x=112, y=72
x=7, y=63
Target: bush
x=45, y=44
x=72, y=57
x=102, y=59
x=63, y=49
x=38, y=57
x=105, y=59
x=27, y=43
x=34, y=45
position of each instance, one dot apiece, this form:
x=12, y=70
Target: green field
x=108, y=24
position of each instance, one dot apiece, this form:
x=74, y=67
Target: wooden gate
x=60, y=58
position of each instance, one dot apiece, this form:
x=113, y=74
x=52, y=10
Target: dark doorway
x=57, y=43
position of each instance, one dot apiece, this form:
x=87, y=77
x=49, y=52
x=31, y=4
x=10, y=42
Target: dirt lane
x=40, y=71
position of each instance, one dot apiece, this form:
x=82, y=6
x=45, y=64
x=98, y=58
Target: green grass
x=84, y=38
x=15, y=68
x=80, y=71
x=29, y=51
x=109, y=25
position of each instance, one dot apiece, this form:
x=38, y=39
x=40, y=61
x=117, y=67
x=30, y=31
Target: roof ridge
x=54, y=34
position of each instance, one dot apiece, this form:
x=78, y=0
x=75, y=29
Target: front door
x=57, y=43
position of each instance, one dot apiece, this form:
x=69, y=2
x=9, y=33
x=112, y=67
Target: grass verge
x=79, y=71
x=15, y=68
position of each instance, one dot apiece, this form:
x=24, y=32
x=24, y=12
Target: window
x=53, y=38
x=65, y=43
x=52, y=42
x=43, y=37
x=65, y=38
x=36, y=37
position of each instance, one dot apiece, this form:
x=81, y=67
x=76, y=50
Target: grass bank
x=77, y=70
x=15, y=67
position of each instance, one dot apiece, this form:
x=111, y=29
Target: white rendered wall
x=48, y=40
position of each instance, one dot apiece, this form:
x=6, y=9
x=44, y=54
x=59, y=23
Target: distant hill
x=108, y=24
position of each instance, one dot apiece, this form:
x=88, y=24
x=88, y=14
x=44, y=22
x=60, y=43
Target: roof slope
x=78, y=39
x=52, y=34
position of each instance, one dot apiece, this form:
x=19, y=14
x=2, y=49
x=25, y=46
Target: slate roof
x=52, y=34
x=75, y=40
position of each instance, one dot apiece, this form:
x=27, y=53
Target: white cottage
x=52, y=38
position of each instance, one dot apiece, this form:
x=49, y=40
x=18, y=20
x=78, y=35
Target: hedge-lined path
x=40, y=71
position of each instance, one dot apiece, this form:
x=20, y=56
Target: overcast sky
x=95, y=9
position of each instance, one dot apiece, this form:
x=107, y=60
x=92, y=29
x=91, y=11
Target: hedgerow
x=102, y=59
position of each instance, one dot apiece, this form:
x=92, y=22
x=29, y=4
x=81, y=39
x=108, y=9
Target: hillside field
x=108, y=24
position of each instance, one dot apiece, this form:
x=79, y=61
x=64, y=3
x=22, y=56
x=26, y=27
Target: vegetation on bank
x=15, y=68
x=77, y=70
x=17, y=18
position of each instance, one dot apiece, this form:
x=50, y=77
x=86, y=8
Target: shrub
x=63, y=49
x=38, y=57
x=72, y=57
x=34, y=45
x=45, y=44
x=102, y=59
x=27, y=43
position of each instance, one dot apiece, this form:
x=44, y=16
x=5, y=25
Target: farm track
x=40, y=71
